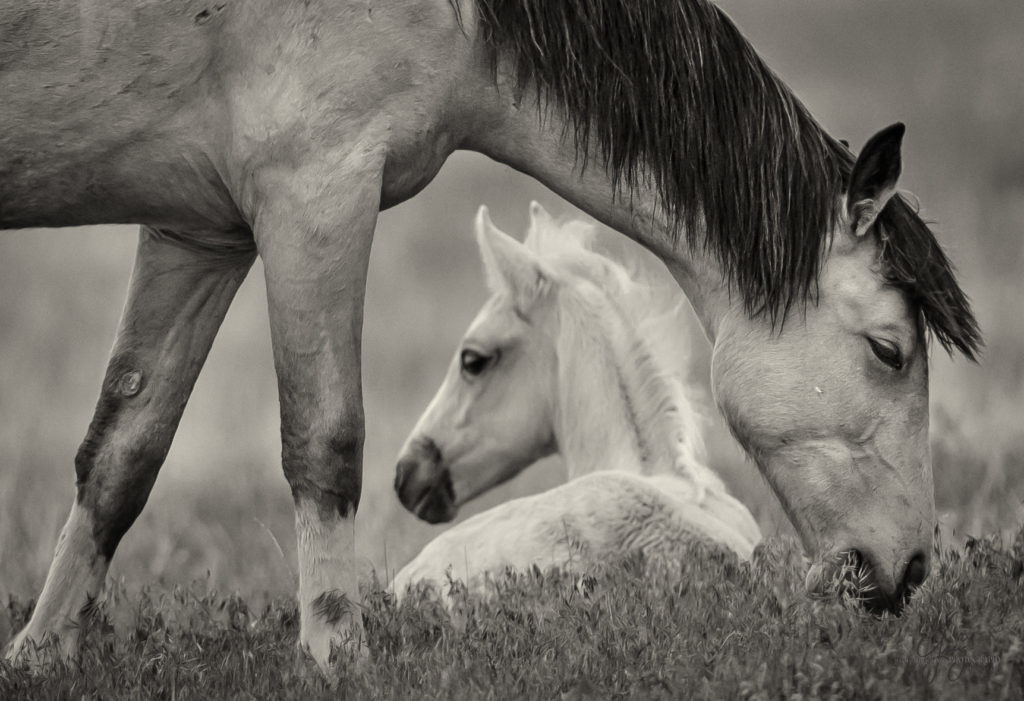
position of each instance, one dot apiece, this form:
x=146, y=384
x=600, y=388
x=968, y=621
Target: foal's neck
x=617, y=410
x=596, y=426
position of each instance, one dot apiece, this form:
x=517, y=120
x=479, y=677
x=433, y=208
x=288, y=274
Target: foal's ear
x=510, y=266
x=540, y=222
x=874, y=176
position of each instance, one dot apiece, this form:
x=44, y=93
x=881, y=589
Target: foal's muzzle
x=423, y=484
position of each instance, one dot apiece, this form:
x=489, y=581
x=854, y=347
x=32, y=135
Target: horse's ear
x=874, y=176
x=510, y=266
x=540, y=222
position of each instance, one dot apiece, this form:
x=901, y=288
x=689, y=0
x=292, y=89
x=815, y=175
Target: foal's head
x=496, y=411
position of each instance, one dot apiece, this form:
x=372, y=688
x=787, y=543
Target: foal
x=564, y=357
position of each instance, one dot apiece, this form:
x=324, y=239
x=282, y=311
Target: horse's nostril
x=882, y=593
x=859, y=570
x=916, y=572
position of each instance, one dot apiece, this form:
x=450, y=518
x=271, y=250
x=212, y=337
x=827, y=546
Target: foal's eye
x=474, y=363
x=888, y=352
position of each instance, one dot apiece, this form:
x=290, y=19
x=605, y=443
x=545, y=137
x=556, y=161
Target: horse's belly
x=104, y=117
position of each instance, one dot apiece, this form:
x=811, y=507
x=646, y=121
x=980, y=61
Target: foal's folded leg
x=179, y=293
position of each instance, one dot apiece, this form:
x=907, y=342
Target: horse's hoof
x=335, y=650
x=54, y=648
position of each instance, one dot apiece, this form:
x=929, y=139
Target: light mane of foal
x=567, y=354
x=628, y=329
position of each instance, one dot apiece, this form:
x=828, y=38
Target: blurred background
x=951, y=70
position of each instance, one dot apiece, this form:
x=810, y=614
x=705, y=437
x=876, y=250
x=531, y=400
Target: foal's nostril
x=429, y=448
x=916, y=572
x=425, y=487
x=412, y=479
x=446, y=484
x=404, y=468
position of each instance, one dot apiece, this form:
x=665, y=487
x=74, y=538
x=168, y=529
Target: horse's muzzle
x=877, y=592
x=423, y=484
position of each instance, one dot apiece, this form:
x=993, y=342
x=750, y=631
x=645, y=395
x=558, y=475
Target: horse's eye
x=888, y=352
x=474, y=363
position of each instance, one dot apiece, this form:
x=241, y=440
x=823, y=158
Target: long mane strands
x=915, y=263
x=672, y=92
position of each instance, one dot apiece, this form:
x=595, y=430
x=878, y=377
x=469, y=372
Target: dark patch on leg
x=114, y=514
x=342, y=500
x=104, y=417
x=115, y=495
x=347, y=490
x=328, y=470
x=332, y=606
x=345, y=462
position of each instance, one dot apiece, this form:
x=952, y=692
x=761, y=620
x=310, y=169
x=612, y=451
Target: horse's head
x=493, y=415
x=833, y=405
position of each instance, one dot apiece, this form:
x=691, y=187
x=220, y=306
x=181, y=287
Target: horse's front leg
x=176, y=301
x=313, y=230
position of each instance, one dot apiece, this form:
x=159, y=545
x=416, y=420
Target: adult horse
x=236, y=129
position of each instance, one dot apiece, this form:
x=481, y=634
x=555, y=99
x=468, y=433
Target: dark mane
x=671, y=91
x=915, y=262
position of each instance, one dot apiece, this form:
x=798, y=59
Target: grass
x=720, y=630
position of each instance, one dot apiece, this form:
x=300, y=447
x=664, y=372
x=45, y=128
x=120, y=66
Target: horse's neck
x=511, y=130
x=617, y=409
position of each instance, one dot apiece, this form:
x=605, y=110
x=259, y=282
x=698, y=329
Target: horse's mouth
x=851, y=575
x=436, y=504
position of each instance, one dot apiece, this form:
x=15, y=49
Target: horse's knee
x=324, y=463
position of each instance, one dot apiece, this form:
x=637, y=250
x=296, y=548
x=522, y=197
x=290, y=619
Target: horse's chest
x=415, y=155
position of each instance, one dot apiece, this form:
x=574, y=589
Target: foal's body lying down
x=563, y=357
x=592, y=520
